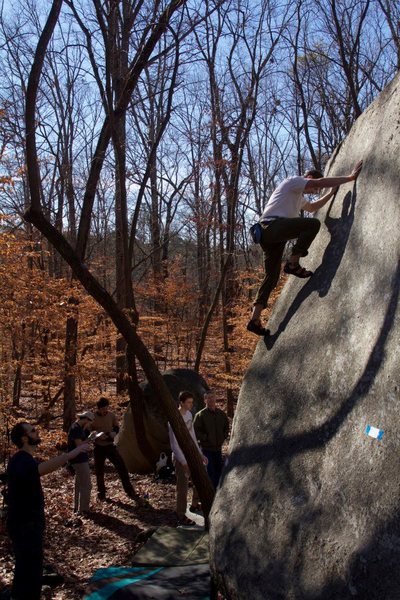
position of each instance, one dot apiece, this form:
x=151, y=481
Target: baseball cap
x=86, y=415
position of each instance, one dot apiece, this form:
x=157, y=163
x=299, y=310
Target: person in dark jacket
x=212, y=428
x=25, y=519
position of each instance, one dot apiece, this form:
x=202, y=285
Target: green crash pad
x=174, y=547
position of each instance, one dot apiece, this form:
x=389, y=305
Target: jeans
x=274, y=237
x=83, y=487
x=214, y=465
x=182, y=486
x=101, y=453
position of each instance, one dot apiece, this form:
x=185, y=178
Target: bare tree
x=391, y=10
x=75, y=258
x=234, y=92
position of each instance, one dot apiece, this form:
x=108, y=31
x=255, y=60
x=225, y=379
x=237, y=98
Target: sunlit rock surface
x=309, y=505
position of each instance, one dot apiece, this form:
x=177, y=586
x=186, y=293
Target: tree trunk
x=17, y=386
x=71, y=340
x=136, y=400
x=207, y=321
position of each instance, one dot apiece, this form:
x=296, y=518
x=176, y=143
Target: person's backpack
x=162, y=462
x=164, y=472
x=165, y=475
x=256, y=233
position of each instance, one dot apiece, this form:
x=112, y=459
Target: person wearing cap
x=77, y=435
x=25, y=518
x=106, y=425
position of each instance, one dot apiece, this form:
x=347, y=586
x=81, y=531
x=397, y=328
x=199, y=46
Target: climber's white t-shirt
x=287, y=199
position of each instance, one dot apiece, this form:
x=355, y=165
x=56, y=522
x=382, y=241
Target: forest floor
x=114, y=532
x=110, y=536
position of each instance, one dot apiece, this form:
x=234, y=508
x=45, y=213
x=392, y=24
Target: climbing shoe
x=297, y=270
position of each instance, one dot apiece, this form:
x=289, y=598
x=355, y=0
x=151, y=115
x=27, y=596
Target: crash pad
x=172, y=564
x=190, y=582
x=172, y=547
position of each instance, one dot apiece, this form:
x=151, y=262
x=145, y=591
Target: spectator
x=181, y=467
x=106, y=425
x=26, y=520
x=212, y=428
x=77, y=435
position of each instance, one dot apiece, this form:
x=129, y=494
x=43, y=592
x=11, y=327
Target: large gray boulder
x=154, y=422
x=309, y=504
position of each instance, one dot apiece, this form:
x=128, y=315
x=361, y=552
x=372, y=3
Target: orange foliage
x=34, y=308
x=174, y=332
x=33, y=312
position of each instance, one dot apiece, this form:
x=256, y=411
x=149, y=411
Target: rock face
x=309, y=504
x=154, y=421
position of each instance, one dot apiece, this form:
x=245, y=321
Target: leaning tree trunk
x=34, y=215
x=136, y=347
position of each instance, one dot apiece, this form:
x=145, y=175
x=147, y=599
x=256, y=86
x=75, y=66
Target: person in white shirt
x=181, y=467
x=281, y=222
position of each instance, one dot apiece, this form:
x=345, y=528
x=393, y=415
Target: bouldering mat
x=157, y=583
x=172, y=564
x=172, y=547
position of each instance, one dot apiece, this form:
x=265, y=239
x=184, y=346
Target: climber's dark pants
x=275, y=234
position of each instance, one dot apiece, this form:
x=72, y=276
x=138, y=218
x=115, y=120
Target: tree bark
x=70, y=355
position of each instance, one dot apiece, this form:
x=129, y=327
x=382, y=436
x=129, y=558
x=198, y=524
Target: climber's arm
x=314, y=206
x=327, y=182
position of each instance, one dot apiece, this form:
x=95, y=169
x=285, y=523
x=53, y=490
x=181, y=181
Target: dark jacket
x=77, y=432
x=25, y=495
x=212, y=428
